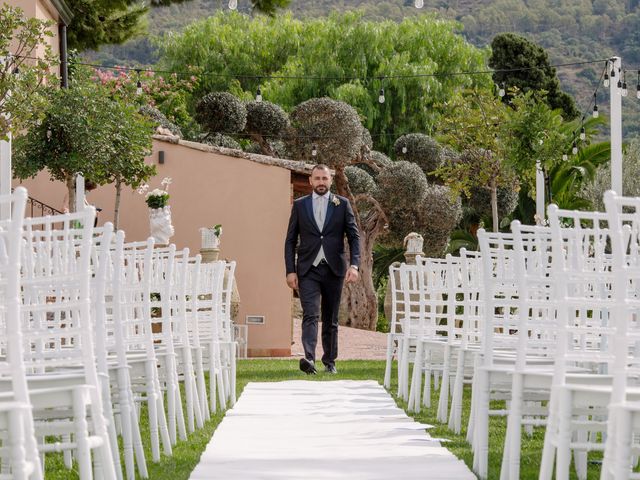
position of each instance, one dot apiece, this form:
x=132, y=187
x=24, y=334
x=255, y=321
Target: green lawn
x=186, y=454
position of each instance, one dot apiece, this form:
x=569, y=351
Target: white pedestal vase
x=160, y=224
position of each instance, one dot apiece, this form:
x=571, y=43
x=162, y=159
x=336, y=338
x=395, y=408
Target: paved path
x=353, y=343
x=323, y=430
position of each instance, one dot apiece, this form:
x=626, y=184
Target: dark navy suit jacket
x=339, y=221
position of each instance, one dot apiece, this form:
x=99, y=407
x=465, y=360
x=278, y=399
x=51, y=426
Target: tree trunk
x=116, y=211
x=265, y=147
x=71, y=188
x=494, y=205
x=360, y=298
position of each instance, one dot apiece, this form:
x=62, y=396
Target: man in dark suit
x=321, y=221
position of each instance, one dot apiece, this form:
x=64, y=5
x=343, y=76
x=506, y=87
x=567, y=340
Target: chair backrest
x=583, y=276
x=397, y=300
x=411, y=299
x=56, y=273
x=472, y=289
x=11, y=337
x=227, y=295
x=210, y=299
x=624, y=221
x=537, y=327
x=501, y=296
x=132, y=314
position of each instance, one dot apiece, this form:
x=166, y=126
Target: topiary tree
x=439, y=213
x=420, y=149
x=220, y=140
x=158, y=119
x=359, y=180
x=266, y=122
x=221, y=112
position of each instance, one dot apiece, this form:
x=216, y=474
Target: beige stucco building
x=55, y=11
x=250, y=195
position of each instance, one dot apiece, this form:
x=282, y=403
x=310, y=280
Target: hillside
x=570, y=30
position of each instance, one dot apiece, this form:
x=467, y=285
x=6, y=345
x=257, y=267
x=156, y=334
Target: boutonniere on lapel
x=335, y=200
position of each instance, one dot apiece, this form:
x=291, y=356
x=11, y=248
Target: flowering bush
x=156, y=198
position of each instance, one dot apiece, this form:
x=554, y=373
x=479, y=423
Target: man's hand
x=292, y=281
x=352, y=275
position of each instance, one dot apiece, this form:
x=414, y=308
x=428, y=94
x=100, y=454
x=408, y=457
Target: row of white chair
x=544, y=319
x=93, y=328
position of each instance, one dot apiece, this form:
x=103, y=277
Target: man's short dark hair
x=320, y=166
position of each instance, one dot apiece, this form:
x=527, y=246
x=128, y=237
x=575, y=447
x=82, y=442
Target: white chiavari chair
x=19, y=452
x=59, y=341
x=583, y=276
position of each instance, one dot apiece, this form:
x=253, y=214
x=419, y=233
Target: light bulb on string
x=574, y=148
x=501, y=91
x=404, y=149
x=613, y=71
x=381, y=96
x=419, y=3
x=233, y=4
x=624, y=90
x=565, y=157
x=605, y=81
x=258, y=95
x=314, y=151
x=638, y=86
x=138, y=84
x=596, y=114
x=583, y=134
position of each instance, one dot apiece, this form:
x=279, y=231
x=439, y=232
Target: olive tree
x=420, y=149
x=221, y=112
x=266, y=123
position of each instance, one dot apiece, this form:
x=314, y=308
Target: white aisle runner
x=312, y=430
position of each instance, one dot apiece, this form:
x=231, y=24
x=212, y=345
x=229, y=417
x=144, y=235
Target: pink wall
x=42, y=10
x=252, y=201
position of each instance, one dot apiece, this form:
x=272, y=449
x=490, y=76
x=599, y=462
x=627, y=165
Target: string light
x=605, y=82
x=404, y=149
x=613, y=71
x=233, y=4
x=381, y=96
x=624, y=90
x=595, y=114
x=565, y=157
x=258, y=95
x=502, y=91
x=638, y=86
x=583, y=133
x=419, y=3
x=574, y=148
x=314, y=150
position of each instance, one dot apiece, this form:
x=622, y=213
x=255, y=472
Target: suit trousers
x=320, y=290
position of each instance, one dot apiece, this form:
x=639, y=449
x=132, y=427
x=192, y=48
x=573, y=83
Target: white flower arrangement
x=156, y=198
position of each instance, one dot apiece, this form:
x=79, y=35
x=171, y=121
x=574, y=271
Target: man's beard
x=320, y=190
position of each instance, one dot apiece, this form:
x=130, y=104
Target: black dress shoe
x=307, y=366
x=330, y=369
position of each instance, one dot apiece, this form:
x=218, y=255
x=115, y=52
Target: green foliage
x=221, y=112
x=157, y=199
x=332, y=126
x=594, y=190
x=420, y=149
x=287, y=48
x=159, y=120
x=359, y=180
x=220, y=140
x=21, y=80
x=85, y=130
x=98, y=22
x=524, y=65
x=480, y=200
x=266, y=119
